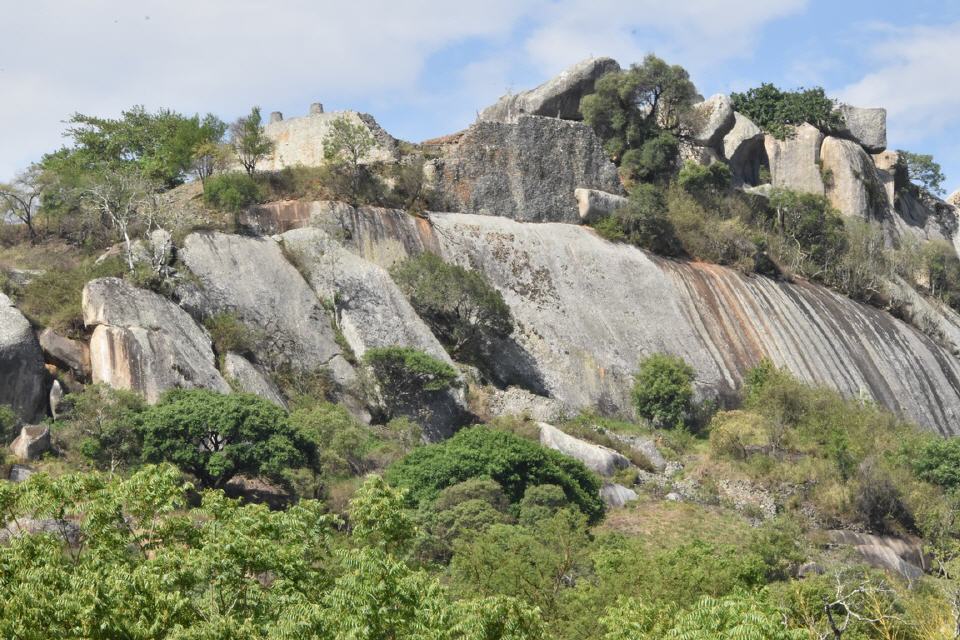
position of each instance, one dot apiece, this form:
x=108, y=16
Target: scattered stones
x=33, y=441
x=558, y=97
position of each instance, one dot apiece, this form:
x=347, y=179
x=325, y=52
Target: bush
x=103, y=421
x=231, y=191
x=405, y=374
x=938, y=461
x=642, y=222
x=878, y=501
x=654, y=161
x=704, y=181
x=735, y=434
x=663, y=390
x=540, y=502
x=511, y=461
x=8, y=425
x=216, y=436
x=461, y=308
x=777, y=111
x=229, y=333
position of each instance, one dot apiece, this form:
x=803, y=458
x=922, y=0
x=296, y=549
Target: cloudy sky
x=424, y=68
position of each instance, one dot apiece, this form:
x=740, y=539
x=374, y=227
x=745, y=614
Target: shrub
x=404, y=373
x=540, y=502
x=229, y=333
x=703, y=181
x=809, y=221
x=511, y=461
x=337, y=442
x=103, y=421
x=231, y=191
x=654, y=161
x=776, y=111
x=642, y=222
x=216, y=436
x=461, y=308
x=481, y=488
x=663, y=390
x=735, y=434
x=878, y=501
x=938, y=461
x=8, y=425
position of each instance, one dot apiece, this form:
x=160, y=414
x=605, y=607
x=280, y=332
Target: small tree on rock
x=249, y=141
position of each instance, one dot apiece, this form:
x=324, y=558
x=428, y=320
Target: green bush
x=511, y=461
x=405, y=374
x=938, y=461
x=776, y=111
x=229, y=333
x=663, y=390
x=216, y=436
x=922, y=170
x=102, y=421
x=654, y=161
x=735, y=434
x=461, y=308
x=704, y=181
x=231, y=191
x=8, y=425
x=540, y=502
x=642, y=222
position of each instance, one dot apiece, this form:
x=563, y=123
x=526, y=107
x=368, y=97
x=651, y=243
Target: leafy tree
x=101, y=418
x=654, y=161
x=663, y=390
x=217, y=436
x=628, y=108
x=405, y=374
x=250, y=143
x=122, y=196
x=461, y=308
x=938, y=461
x=20, y=199
x=513, y=462
x=777, y=111
x=813, y=225
x=704, y=181
x=643, y=222
x=922, y=170
x=348, y=144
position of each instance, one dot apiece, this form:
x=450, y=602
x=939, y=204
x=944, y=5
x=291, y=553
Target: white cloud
x=916, y=77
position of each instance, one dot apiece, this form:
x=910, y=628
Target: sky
x=424, y=68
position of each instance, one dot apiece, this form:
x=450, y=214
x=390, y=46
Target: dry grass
x=658, y=520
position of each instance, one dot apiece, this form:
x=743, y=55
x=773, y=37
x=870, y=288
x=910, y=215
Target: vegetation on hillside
x=778, y=112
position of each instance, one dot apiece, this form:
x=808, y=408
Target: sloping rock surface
x=144, y=342
x=898, y=555
x=22, y=376
x=795, y=161
x=525, y=170
x=558, y=97
x=588, y=310
x=245, y=375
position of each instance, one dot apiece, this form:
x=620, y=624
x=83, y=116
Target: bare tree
x=20, y=199
x=123, y=197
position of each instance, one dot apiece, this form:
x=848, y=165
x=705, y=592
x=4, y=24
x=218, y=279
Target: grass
x=657, y=520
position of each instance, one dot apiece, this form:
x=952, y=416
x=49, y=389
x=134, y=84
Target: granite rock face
x=251, y=279
x=558, y=97
x=795, y=161
x=248, y=378
x=144, y=342
x=525, y=170
x=71, y=355
x=594, y=205
x=718, y=119
x=743, y=150
x=865, y=126
x=851, y=181
x=588, y=310
x=22, y=376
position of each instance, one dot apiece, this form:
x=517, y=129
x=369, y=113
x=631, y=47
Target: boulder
x=595, y=457
x=717, y=119
x=145, y=343
x=902, y=556
x=889, y=173
x=865, y=126
x=594, y=205
x=616, y=495
x=33, y=441
x=20, y=472
x=22, y=375
x=558, y=97
x=56, y=397
x=515, y=401
x=525, y=170
x=743, y=149
x=954, y=198
x=252, y=279
x=250, y=379
x=64, y=529
x=795, y=161
x=851, y=181
x=67, y=354
x=645, y=446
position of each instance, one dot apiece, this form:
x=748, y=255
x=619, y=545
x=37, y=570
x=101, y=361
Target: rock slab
x=795, y=161
x=22, y=375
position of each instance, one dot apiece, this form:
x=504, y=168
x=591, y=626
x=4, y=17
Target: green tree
x=215, y=436
x=815, y=227
x=778, y=111
x=663, y=390
x=348, y=144
x=922, y=170
x=250, y=142
x=938, y=461
x=460, y=306
x=101, y=420
x=405, y=375
x=232, y=191
x=704, y=182
x=513, y=462
x=643, y=222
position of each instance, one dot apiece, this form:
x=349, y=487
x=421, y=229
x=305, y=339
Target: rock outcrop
x=300, y=141
x=144, y=342
x=599, y=459
x=617, y=495
x=718, y=119
x=743, y=150
x=851, y=181
x=594, y=205
x=251, y=279
x=33, y=441
x=865, y=126
x=248, y=378
x=898, y=555
x=588, y=310
x=795, y=161
x=22, y=376
x=525, y=170
x=558, y=97
x=69, y=355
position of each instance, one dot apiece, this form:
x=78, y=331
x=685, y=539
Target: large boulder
x=595, y=457
x=558, y=97
x=248, y=378
x=795, y=160
x=851, y=180
x=33, y=441
x=69, y=355
x=144, y=342
x=22, y=376
x=592, y=205
x=525, y=170
x=617, y=495
x=251, y=279
x=865, y=126
x=300, y=141
x=587, y=311
x=743, y=149
x=717, y=119
x=898, y=555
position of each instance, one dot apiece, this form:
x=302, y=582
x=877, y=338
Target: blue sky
x=424, y=68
